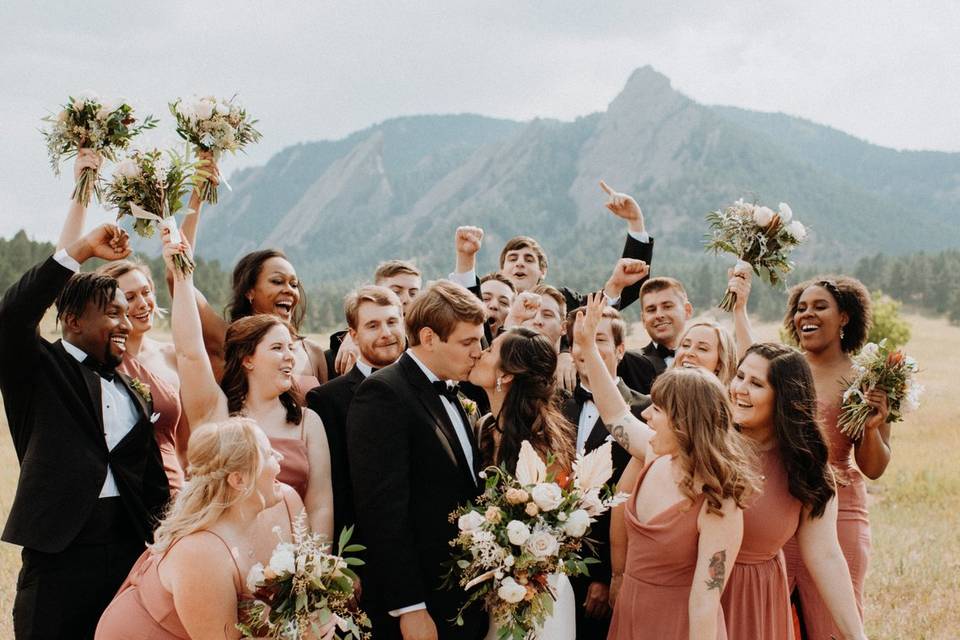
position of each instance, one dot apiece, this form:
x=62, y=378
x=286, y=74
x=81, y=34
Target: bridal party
x=469, y=456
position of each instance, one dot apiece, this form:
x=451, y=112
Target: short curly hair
x=851, y=297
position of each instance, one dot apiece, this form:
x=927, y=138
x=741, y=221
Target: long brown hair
x=530, y=410
x=711, y=451
x=802, y=444
x=243, y=336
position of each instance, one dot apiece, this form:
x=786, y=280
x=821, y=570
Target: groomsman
x=91, y=482
x=592, y=592
x=413, y=459
x=664, y=310
x=497, y=294
x=400, y=276
x=375, y=320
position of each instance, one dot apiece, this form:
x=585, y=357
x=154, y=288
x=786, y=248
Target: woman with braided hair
x=187, y=585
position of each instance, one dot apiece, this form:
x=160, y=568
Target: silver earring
x=841, y=333
x=499, y=385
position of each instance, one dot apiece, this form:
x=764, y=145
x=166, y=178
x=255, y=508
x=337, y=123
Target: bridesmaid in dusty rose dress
x=188, y=584
x=775, y=406
x=685, y=519
x=830, y=318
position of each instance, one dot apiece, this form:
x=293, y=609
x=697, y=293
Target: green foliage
x=887, y=323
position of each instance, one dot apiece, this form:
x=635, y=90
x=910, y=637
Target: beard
x=382, y=357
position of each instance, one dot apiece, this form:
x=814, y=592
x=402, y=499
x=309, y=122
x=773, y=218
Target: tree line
x=917, y=280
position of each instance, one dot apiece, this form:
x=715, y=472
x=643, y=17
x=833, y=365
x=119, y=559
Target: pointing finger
x=606, y=188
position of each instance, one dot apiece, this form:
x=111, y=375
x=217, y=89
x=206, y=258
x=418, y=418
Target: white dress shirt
x=364, y=368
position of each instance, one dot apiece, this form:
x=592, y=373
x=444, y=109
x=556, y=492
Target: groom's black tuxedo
x=596, y=628
x=69, y=534
x=409, y=472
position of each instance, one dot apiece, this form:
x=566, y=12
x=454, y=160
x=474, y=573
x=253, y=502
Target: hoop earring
x=499, y=384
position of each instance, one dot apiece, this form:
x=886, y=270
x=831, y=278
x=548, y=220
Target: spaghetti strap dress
x=143, y=609
x=661, y=560
x=756, y=602
x=295, y=466
x=853, y=532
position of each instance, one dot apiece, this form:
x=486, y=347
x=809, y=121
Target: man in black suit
x=665, y=310
x=414, y=459
x=592, y=592
x=91, y=479
x=375, y=320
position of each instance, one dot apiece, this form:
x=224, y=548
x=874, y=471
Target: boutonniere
x=469, y=407
x=142, y=390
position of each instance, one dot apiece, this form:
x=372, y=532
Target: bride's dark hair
x=530, y=410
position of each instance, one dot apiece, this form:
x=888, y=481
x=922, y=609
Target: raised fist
x=468, y=240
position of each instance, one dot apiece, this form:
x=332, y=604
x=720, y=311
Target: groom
x=414, y=459
x=91, y=480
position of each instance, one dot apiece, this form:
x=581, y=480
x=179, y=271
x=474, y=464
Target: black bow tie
x=582, y=396
x=448, y=390
x=664, y=352
x=102, y=370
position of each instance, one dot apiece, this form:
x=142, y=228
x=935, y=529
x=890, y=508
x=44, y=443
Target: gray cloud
x=313, y=70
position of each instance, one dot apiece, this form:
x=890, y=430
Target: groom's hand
x=596, y=605
x=418, y=625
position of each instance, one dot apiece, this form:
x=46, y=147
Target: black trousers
x=62, y=595
x=588, y=628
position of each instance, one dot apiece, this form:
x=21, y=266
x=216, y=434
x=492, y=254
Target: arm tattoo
x=619, y=433
x=718, y=570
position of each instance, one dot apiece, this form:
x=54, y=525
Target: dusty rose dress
x=143, y=609
x=295, y=466
x=756, y=602
x=853, y=531
x=661, y=560
x=166, y=402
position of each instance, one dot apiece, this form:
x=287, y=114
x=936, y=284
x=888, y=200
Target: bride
x=517, y=374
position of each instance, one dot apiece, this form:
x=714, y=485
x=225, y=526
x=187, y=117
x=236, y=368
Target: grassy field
x=913, y=587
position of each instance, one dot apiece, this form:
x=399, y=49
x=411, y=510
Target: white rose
x=128, y=168
x=470, y=521
x=517, y=532
x=547, y=496
x=282, y=560
x=797, y=230
x=762, y=216
x=577, y=523
x=203, y=109
x=254, y=577
x=106, y=108
x=870, y=349
x=510, y=591
x=786, y=213
x=542, y=544
x=186, y=111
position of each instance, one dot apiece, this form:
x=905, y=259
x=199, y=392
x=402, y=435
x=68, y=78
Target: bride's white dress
x=562, y=625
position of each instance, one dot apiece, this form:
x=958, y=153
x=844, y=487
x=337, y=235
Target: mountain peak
x=648, y=78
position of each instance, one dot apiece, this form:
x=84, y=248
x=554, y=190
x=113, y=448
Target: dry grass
x=914, y=578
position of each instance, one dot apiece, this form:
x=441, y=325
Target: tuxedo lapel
x=87, y=387
x=430, y=400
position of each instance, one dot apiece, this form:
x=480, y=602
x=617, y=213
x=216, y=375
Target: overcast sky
x=315, y=69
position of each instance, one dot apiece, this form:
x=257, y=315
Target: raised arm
x=202, y=398
x=638, y=248
x=77, y=213
x=206, y=167
x=739, y=282
x=319, y=498
x=630, y=433
x=717, y=549
x=820, y=550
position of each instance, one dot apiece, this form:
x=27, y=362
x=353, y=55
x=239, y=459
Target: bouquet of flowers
x=150, y=186
x=213, y=125
x=879, y=367
x=760, y=238
x=524, y=528
x=302, y=587
x=90, y=122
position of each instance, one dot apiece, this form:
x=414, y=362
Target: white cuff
x=611, y=301
x=396, y=613
x=467, y=278
x=66, y=261
x=639, y=236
